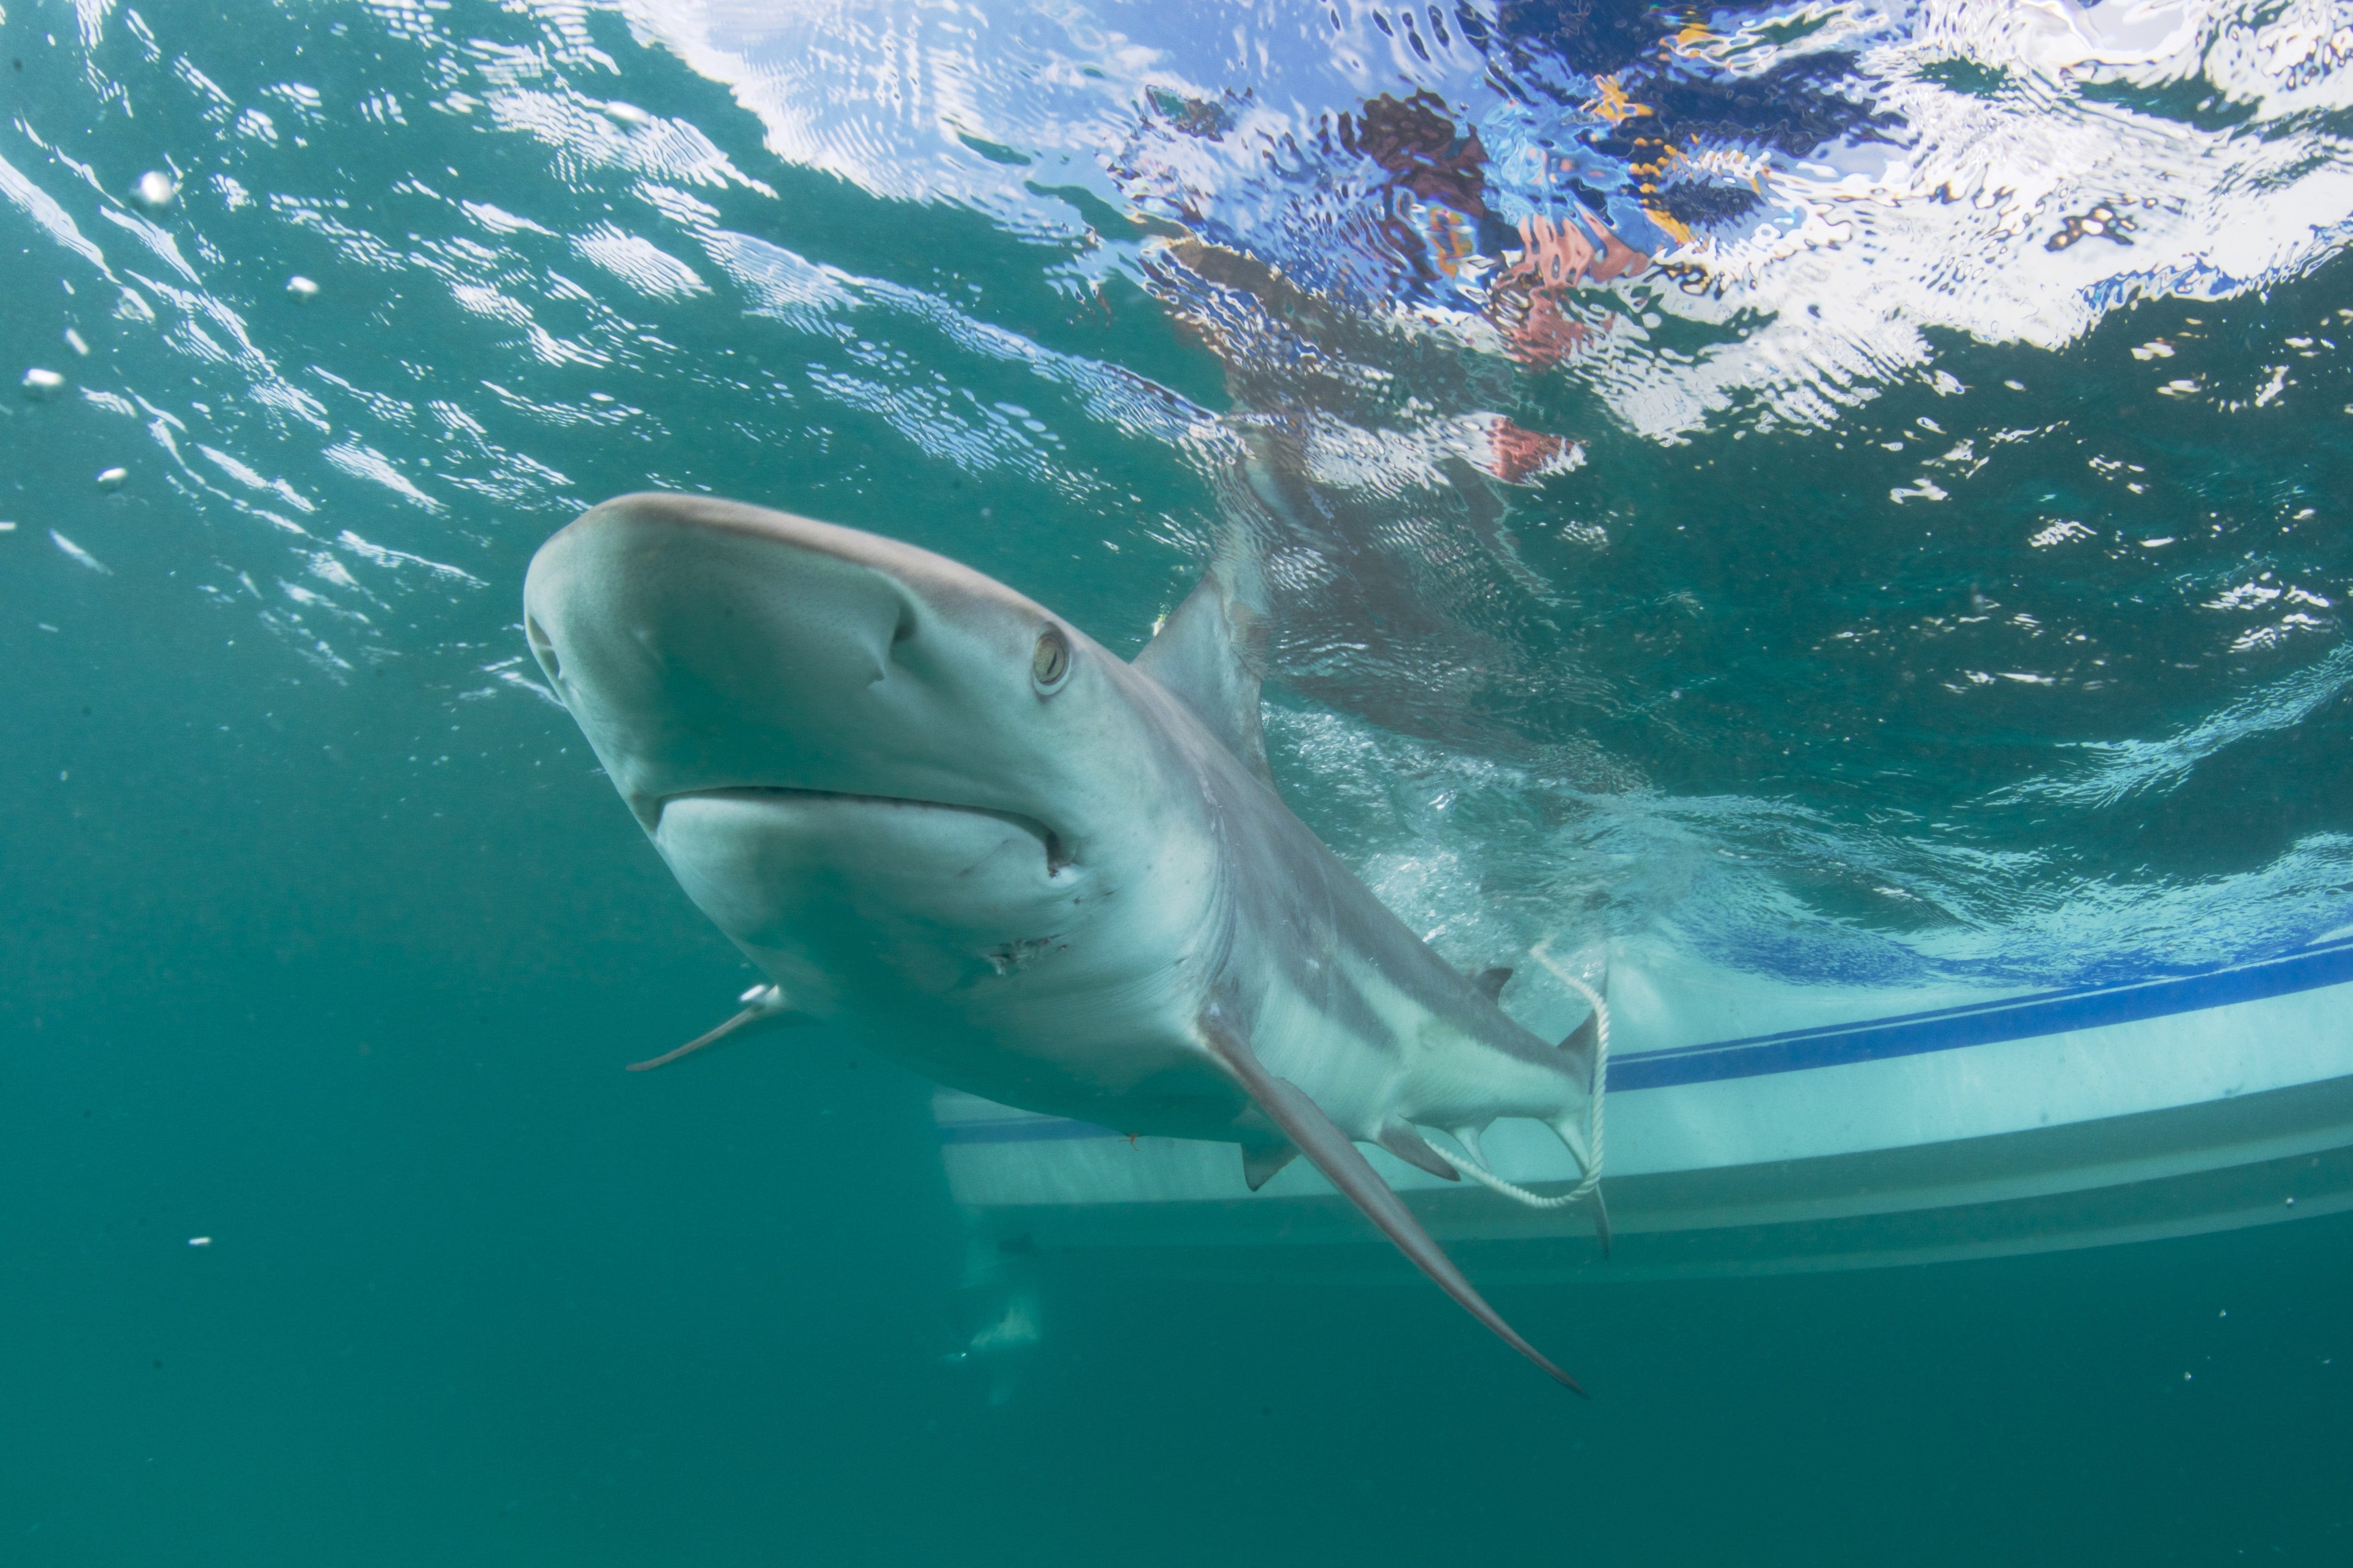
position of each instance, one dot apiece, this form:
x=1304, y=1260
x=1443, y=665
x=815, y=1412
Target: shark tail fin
x=1584, y=1142
x=1582, y=1043
x=1321, y=1139
x=1579, y=1043
x=1587, y=1190
x=1587, y=1049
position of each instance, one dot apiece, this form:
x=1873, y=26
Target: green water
x=326, y=942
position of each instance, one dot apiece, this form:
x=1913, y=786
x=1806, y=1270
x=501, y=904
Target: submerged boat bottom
x=2092, y=1117
x=2259, y=1159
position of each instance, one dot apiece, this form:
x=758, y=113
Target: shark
x=933, y=811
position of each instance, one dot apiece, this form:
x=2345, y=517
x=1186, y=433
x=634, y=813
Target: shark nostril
x=542, y=648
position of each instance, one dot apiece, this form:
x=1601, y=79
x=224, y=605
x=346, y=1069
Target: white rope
x=1592, y=1176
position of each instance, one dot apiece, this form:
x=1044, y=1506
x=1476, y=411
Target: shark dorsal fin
x=1211, y=653
x=1491, y=983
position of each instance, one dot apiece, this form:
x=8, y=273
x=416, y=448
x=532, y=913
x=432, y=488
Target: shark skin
x=935, y=814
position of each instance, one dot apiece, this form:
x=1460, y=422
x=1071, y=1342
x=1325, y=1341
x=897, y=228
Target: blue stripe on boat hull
x=1908, y=1034
x=1985, y=1023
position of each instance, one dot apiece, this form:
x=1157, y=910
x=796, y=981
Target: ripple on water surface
x=1854, y=487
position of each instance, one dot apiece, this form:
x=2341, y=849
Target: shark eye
x=1049, y=666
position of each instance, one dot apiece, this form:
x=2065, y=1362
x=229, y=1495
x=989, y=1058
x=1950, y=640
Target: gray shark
x=933, y=811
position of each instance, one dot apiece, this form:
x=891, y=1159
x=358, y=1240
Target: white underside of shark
x=933, y=811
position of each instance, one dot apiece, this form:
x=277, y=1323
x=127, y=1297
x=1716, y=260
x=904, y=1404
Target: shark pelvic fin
x=1261, y=1161
x=1491, y=983
x=761, y=1002
x=1321, y=1139
x=1211, y=653
x=1407, y=1145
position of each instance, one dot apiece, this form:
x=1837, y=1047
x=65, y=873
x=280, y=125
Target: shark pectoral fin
x=762, y=1001
x=1407, y=1145
x=1491, y=983
x=1261, y=1161
x=1321, y=1139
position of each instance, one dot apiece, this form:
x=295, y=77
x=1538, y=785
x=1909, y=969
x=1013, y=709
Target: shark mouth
x=1051, y=844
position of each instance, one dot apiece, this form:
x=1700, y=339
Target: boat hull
x=1988, y=1126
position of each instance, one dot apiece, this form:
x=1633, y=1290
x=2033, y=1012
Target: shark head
x=899, y=785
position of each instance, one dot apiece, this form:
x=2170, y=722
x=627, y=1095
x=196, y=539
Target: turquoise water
x=1905, y=574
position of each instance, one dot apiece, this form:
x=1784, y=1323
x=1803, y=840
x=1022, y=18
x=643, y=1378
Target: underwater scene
x=1265, y=709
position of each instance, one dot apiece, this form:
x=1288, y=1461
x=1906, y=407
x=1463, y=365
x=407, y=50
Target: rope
x=1519, y=1194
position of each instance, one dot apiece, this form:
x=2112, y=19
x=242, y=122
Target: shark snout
x=704, y=645
x=702, y=650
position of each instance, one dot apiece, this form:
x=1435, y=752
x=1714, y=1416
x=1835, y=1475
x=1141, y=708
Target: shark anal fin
x=1321, y=1139
x=1261, y=1161
x=1408, y=1146
x=1491, y=983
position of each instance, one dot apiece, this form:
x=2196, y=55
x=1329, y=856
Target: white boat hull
x=1981, y=1126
